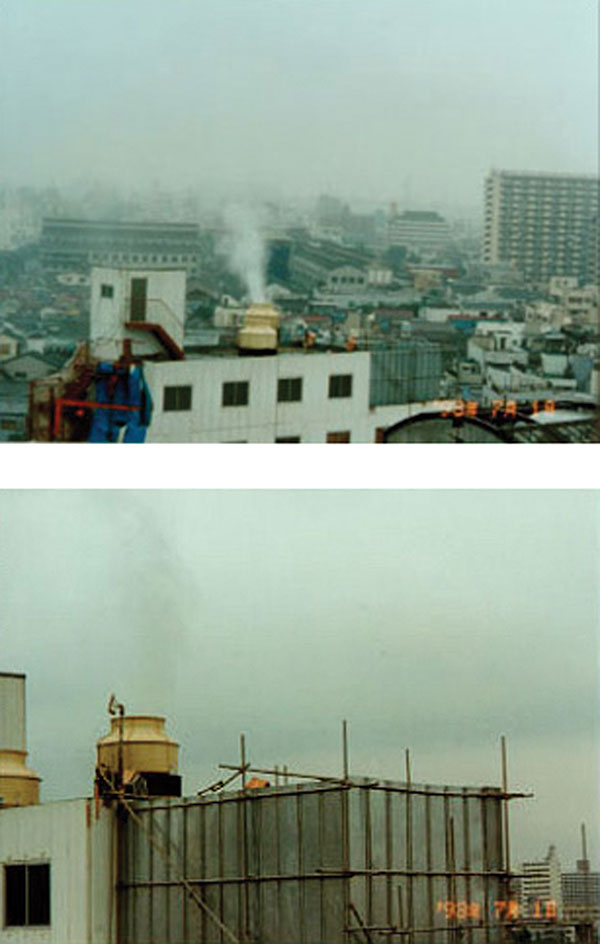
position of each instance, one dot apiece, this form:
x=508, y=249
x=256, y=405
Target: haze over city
x=430, y=620
x=373, y=102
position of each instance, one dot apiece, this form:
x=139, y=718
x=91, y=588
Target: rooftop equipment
x=259, y=332
x=19, y=786
x=137, y=756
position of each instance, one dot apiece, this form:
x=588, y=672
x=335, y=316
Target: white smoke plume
x=246, y=249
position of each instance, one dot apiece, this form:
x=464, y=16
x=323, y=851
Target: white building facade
x=310, y=397
x=541, y=894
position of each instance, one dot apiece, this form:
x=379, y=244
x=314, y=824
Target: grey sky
x=373, y=99
x=431, y=620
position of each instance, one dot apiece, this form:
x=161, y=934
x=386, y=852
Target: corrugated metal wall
x=407, y=372
x=308, y=863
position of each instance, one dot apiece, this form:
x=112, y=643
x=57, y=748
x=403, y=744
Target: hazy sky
x=433, y=620
x=411, y=100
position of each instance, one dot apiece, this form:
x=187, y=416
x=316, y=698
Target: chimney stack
x=19, y=786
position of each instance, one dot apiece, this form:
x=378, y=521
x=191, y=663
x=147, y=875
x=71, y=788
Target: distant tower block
x=19, y=786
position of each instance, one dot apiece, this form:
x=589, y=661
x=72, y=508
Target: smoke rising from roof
x=245, y=248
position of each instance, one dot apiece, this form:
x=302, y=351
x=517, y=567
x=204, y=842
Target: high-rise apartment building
x=542, y=224
x=540, y=887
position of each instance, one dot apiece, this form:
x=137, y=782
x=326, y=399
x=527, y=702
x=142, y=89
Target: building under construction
x=262, y=855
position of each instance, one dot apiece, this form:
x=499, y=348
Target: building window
x=340, y=385
x=107, y=291
x=26, y=895
x=177, y=398
x=235, y=393
x=287, y=439
x=343, y=436
x=289, y=388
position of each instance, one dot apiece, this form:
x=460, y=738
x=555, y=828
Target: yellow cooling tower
x=259, y=332
x=145, y=746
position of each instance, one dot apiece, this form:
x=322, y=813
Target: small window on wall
x=27, y=895
x=340, y=385
x=235, y=393
x=107, y=291
x=287, y=439
x=343, y=436
x=289, y=389
x=177, y=398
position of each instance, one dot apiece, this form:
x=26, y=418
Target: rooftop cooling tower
x=138, y=755
x=19, y=786
x=259, y=332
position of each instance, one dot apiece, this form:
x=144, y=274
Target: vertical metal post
x=453, y=895
x=120, y=757
x=409, y=847
x=505, y=817
x=400, y=908
x=429, y=859
x=243, y=759
x=467, y=853
x=242, y=835
x=345, y=748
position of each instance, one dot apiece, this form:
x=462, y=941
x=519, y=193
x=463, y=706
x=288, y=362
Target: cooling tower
x=259, y=332
x=138, y=748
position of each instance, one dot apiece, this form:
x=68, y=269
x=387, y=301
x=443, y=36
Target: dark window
x=340, y=385
x=107, y=291
x=287, y=439
x=289, y=388
x=235, y=393
x=339, y=437
x=177, y=398
x=26, y=895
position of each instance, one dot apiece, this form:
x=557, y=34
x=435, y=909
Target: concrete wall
x=79, y=848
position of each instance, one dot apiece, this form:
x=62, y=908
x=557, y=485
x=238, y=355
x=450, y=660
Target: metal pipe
x=376, y=785
x=319, y=873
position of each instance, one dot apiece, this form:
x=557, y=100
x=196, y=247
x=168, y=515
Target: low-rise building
x=417, y=229
x=252, y=391
x=78, y=244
